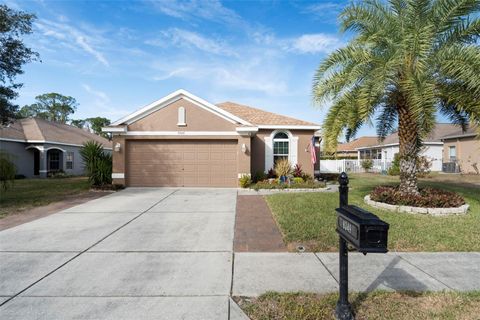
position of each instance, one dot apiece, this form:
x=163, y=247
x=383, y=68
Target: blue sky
x=115, y=57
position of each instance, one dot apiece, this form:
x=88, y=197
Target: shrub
x=394, y=170
x=428, y=197
x=98, y=164
x=302, y=185
x=329, y=176
x=298, y=180
x=307, y=177
x=7, y=171
x=367, y=164
x=297, y=171
x=271, y=174
x=245, y=181
x=283, y=167
x=259, y=176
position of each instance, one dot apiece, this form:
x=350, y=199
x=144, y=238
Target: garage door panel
x=182, y=163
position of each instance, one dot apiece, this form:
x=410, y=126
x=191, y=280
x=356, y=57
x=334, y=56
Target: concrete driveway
x=142, y=253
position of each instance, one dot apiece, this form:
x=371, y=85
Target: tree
x=96, y=125
x=13, y=55
x=79, y=123
x=50, y=106
x=407, y=60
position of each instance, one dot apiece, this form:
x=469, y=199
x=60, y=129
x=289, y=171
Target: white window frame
x=287, y=140
x=292, y=149
x=71, y=161
x=181, y=117
x=454, y=148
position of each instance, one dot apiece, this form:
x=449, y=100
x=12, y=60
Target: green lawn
x=379, y=305
x=27, y=193
x=309, y=218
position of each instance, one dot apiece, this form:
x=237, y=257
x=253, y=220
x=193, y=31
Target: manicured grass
x=310, y=218
x=27, y=193
x=379, y=305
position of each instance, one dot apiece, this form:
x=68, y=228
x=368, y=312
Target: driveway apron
x=142, y=253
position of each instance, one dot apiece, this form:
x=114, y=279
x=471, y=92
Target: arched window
x=181, y=117
x=280, y=146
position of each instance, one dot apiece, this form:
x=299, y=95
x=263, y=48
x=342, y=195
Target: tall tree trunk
x=409, y=148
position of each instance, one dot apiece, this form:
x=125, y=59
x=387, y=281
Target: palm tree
x=407, y=61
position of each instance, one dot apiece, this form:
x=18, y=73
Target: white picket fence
x=379, y=166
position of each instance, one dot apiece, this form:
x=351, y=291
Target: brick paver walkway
x=255, y=229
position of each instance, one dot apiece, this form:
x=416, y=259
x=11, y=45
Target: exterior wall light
x=244, y=148
x=117, y=147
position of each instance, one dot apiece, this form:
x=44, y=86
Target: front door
x=36, y=162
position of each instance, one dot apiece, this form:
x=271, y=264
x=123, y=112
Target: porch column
x=43, y=163
x=118, y=163
x=244, y=152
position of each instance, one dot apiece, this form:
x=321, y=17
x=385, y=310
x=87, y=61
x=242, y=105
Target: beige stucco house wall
x=158, y=144
x=467, y=152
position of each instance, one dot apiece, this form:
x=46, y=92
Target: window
x=54, y=159
x=181, y=117
x=452, y=152
x=69, y=160
x=280, y=146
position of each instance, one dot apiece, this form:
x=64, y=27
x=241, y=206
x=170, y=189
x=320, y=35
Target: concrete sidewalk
x=257, y=273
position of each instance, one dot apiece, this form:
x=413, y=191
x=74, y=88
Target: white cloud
x=185, y=38
x=315, y=43
x=71, y=37
x=100, y=95
x=327, y=11
x=211, y=10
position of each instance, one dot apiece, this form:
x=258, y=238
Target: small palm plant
x=408, y=61
x=283, y=168
x=98, y=164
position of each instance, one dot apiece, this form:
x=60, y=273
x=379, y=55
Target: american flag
x=313, y=153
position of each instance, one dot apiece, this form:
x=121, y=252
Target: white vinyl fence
x=379, y=166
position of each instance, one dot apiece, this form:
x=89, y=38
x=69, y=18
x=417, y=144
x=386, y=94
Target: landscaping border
x=417, y=210
x=250, y=191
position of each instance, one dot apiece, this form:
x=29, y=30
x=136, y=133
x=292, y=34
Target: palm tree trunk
x=408, y=139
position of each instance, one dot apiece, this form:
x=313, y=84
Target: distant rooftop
x=44, y=131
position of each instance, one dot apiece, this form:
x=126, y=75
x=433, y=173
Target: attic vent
x=181, y=117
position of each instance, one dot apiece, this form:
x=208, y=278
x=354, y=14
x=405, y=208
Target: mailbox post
x=343, y=309
x=364, y=231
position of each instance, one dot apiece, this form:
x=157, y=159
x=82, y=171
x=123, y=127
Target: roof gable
x=175, y=96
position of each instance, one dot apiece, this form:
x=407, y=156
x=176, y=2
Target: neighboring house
x=183, y=140
x=38, y=146
x=461, y=151
x=349, y=149
x=432, y=146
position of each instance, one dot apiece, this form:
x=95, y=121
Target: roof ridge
x=34, y=120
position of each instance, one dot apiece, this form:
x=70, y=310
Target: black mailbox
x=364, y=230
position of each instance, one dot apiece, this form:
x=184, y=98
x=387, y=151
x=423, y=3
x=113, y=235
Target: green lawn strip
x=310, y=218
x=28, y=193
x=374, y=305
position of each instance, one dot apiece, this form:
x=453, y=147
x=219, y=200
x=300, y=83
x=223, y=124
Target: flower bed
x=266, y=184
x=428, y=197
x=429, y=201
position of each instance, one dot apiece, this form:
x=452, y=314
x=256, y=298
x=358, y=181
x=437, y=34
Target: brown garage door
x=177, y=163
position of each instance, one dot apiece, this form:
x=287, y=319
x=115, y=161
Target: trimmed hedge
x=428, y=197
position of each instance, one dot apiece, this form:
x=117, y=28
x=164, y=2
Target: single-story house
x=349, y=149
x=432, y=146
x=461, y=151
x=183, y=140
x=38, y=146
